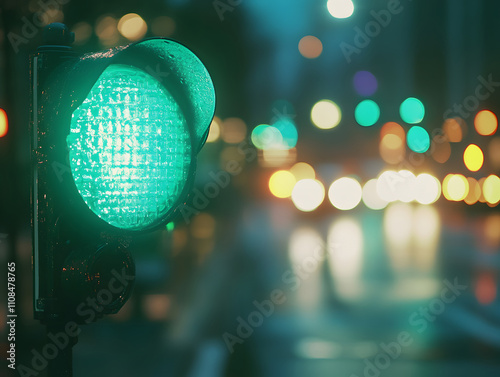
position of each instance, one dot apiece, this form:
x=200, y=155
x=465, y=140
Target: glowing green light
x=281, y=135
x=265, y=136
x=418, y=139
x=129, y=148
x=367, y=113
x=412, y=111
x=288, y=132
x=170, y=226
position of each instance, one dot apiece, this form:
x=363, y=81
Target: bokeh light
x=474, y=191
x=486, y=288
x=265, y=136
x=491, y=189
x=486, y=123
x=340, y=8
x=473, y=157
x=394, y=129
x=308, y=194
x=386, y=185
x=50, y=15
x=106, y=30
x=392, y=149
x=325, y=114
x=494, y=152
x=491, y=233
x=132, y=26
x=481, y=183
x=282, y=183
x=83, y=32
x=163, y=26
x=453, y=129
x=277, y=157
x=412, y=241
x=367, y=113
x=370, y=196
x=426, y=235
x=428, y=189
x=156, y=306
x=365, y=83
x=302, y=241
x=203, y=226
x=418, y=139
x=412, y=110
x=392, y=141
x=310, y=47
x=441, y=151
x=233, y=130
x=398, y=229
x=282, y=135
x=405, y=186
x=345, y=257
x=4, y=123
x=302, y=170
x=345, y=193
x=288, y=131
x=214, y=133
x=455, y=187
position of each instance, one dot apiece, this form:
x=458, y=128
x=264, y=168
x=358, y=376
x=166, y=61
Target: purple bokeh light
x=365, y=83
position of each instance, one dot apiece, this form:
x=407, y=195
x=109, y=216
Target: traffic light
x=115, y=140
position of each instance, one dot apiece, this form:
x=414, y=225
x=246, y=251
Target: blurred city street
x=342, y=320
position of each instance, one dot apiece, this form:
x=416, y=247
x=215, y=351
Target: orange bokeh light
x=392, y=128
x=4, y=123
x=486, y=289
x=441, y=152
x=486, y=123
x=310, y=47
x=454, y=129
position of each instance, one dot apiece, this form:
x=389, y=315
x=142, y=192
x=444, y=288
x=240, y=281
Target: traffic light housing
x=115, y=140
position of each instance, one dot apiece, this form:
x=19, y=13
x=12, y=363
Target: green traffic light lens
x=129, y=149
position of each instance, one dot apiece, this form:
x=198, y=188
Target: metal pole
x=56, y=49
x=62, y=364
